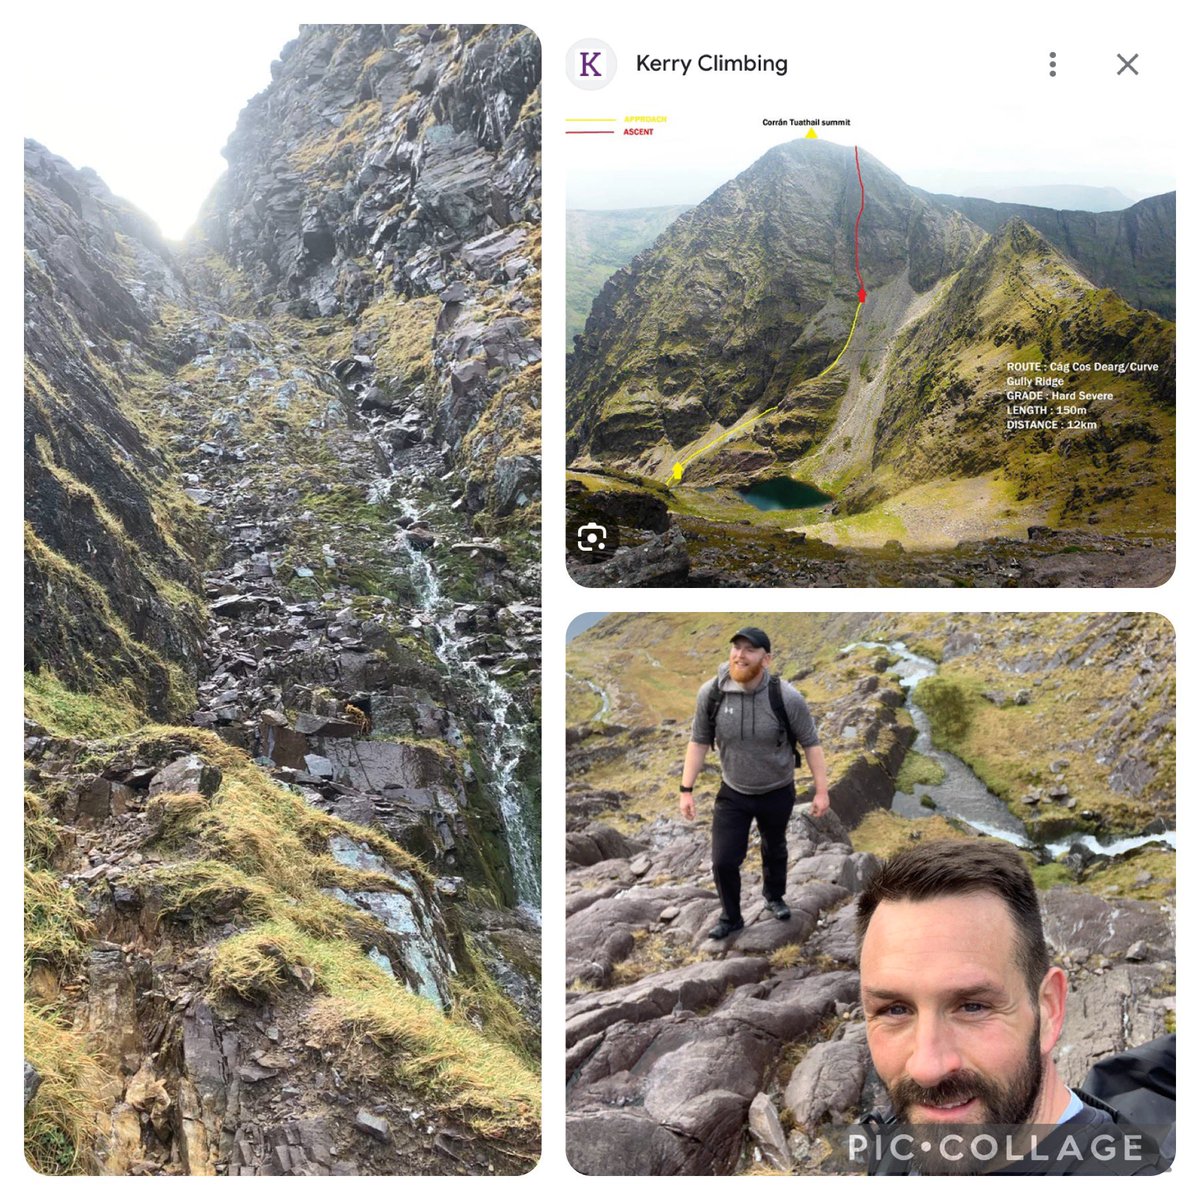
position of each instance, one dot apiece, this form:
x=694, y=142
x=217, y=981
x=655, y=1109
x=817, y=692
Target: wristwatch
x=686, y=789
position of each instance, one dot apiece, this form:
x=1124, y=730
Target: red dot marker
x=862, y=295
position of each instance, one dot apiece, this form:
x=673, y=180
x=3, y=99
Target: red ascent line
x=862, y=291
x=578, y=131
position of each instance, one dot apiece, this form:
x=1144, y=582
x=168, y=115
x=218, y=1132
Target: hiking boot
x=724, y=927
x=779, y=910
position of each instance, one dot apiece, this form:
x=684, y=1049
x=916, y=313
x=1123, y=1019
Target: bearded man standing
x=756, y=722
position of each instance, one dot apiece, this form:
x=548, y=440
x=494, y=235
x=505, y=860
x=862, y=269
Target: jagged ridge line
x=862, y=204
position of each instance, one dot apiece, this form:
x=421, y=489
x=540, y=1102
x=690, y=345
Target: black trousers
x=732, y=814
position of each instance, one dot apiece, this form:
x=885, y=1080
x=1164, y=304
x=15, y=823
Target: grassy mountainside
x=1028, y=701
x=1018, y=301
x=745, y=298
x=1131, y=250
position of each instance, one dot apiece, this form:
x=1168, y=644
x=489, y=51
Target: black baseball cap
x=754, y=635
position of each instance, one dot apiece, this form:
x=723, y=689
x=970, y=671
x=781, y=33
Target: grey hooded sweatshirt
x=755, y=754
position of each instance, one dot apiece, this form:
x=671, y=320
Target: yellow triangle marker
x=811, y=133
x=677, y=472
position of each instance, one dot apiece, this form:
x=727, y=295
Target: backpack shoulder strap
x=775, y=695
x=714, y=704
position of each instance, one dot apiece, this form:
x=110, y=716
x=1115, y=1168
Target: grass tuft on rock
x=392, y=1035
x=949, y=707
x=99, y=713
x=785, y=957
x=60, y=1122
x=396, y=1037
x=43, y=839
x=210, y=891
x=653, y=954
x=1052, y=875
x=56, y=927
x=479, y=999
x=264, y=857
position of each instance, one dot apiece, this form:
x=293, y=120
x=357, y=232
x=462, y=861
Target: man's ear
x=1052, y=1004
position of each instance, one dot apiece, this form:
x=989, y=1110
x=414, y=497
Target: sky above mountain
x=951, y=101
x=145, y=102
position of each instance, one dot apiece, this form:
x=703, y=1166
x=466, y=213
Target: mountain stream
x=962, y=793
x=503, y=751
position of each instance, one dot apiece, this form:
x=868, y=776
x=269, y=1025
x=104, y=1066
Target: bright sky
x=147, y=102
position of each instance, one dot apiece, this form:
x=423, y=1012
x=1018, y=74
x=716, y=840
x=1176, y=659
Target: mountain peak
x=752, y=292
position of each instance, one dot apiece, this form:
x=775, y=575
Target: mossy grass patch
x=60, y=1123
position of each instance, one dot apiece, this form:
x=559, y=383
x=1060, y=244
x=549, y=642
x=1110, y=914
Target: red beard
x=740, y=674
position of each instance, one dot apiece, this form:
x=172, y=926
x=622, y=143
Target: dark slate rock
x=829, y=1079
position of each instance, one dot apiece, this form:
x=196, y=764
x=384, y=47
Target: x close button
x=1128, y=64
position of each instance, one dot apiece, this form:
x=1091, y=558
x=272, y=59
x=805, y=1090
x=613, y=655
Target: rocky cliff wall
x=389, y=180
x=113, y=546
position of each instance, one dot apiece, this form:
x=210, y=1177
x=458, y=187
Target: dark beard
x=1009, y=1103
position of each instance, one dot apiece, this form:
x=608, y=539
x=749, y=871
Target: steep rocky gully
x=689, y=1056
x=282, y=644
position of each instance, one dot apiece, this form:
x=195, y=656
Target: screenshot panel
x=903, y=316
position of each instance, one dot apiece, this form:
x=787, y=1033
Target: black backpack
x=1136, y=1088
x=774, y=695
x=1140, y=1084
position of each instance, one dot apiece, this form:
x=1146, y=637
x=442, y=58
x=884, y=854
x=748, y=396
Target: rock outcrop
x=685, y=1069
x=403, y=195
x=112, y=545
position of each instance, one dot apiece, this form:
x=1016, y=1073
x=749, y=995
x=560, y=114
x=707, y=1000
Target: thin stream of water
x=602, y=713
x=503, y=751
x=962, y=793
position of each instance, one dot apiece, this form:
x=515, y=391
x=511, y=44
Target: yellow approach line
x=728, y=433
x=677, y=470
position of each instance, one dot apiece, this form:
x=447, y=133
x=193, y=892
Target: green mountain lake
x=773, y=494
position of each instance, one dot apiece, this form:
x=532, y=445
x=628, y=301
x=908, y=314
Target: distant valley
x=599, y=243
